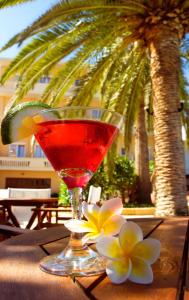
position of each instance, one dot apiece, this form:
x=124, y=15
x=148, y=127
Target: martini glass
x=75, y=141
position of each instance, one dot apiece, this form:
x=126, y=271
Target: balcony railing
x=25, y=163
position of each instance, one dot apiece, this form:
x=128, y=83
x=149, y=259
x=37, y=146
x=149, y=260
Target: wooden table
x=7, y=204
x=21, y=278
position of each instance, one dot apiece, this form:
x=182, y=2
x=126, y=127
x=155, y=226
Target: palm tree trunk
x=142, y=157
x=170, y=181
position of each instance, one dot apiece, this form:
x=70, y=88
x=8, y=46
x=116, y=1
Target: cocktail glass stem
x=76, y=202
x=76, y=241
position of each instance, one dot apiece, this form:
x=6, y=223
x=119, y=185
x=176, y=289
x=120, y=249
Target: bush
x=124, y=178
x=122, y=183
x=151, y=166
x=63, y=196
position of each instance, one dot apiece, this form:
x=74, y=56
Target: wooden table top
x=28, y=201
x=21, y=278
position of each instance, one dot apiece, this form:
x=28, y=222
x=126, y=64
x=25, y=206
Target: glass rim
x=82, y=107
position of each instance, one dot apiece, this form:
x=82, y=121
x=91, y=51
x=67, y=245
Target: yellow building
x=21, y=165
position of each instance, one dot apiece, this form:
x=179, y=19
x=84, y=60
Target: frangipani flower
x=129, y=256
x=101, y=221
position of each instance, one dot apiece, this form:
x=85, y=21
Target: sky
x=14, y=19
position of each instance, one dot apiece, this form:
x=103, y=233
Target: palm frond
x=148, y=100
x=42, y=66
x=30, y=52
x=93, y=82
x=50, y=47
x=183, y=87
x=64, y=10
x=75, y=66
x=7, y=3
x=65, y=77
x=72, y=7
x=129, y=97
x=97, y=74
x=41, y=44
x=54, y=52
x=116, y=77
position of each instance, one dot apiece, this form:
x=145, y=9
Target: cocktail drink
x=75, y=148
x=75, y=141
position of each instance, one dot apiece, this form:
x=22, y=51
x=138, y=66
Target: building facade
x=23, y=164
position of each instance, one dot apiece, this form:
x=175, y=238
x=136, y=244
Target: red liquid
x=75, y=148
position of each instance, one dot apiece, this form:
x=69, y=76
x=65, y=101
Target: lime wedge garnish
x=21, y=121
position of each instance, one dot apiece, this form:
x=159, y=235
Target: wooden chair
x=23, y=214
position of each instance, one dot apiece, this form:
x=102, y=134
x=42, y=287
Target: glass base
x=83, y=262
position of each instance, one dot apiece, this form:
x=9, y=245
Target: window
x=123, y=151
x=20, y=151
x=17, y=150
x=77, y=82
x=44, y=79
x=28, y=183
x=38, y=151
x=96, y=113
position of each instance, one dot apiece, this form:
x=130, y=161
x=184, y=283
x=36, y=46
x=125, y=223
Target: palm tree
x=102, y=30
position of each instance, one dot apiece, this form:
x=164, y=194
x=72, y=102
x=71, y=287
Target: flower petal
x=109, y=208
x=110, y=248
x=148, y=250
x=78, y=225
x=113, y=225
x=91, y=237
x=90, y=226
x=119, y=271
x=141, y=271
x=130, y=234
x=91, y=212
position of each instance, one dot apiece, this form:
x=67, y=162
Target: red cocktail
x=75, y=148
x=75, y=140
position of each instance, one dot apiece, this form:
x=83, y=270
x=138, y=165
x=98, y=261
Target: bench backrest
x=29, y=193
x=4, y=193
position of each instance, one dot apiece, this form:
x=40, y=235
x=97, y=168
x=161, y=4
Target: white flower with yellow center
x=129, y=256
x=100, y=221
